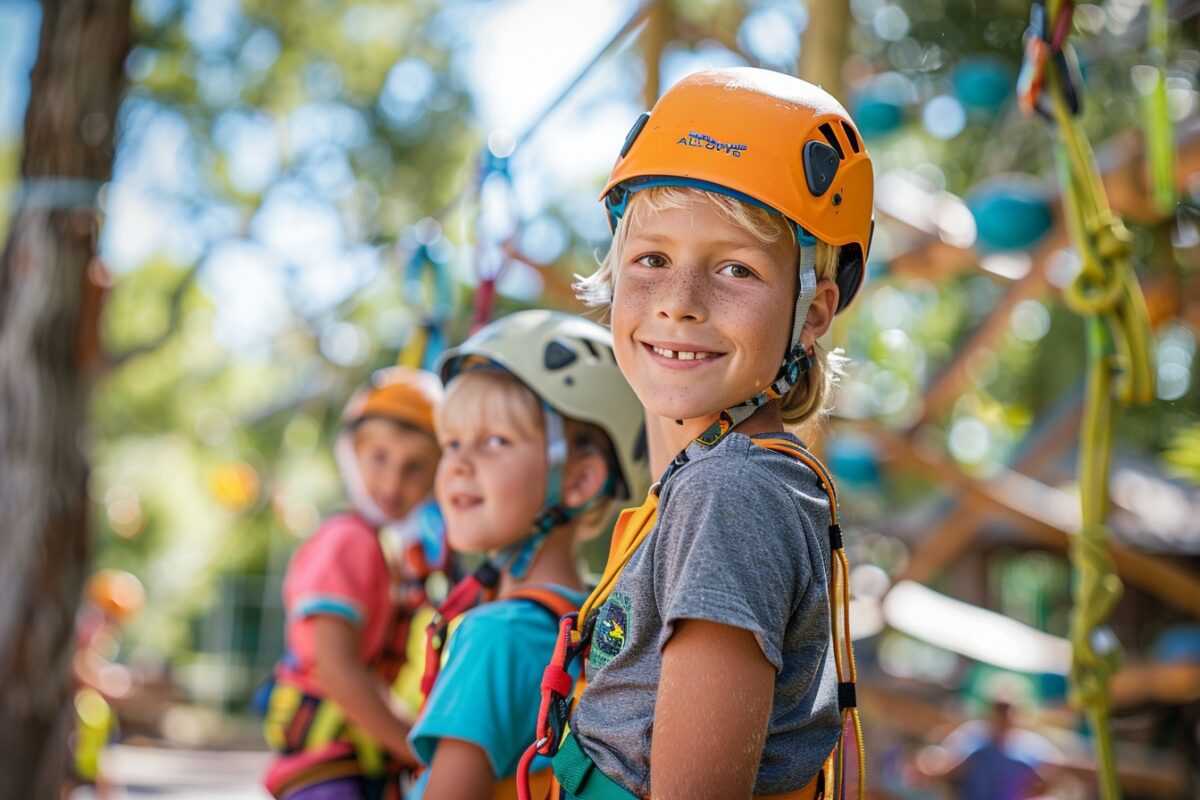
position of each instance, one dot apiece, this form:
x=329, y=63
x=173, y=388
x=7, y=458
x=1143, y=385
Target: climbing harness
x=479, y=586
x=574, y=770
x=298, y=721
x=549, y=600
x=1120, y=366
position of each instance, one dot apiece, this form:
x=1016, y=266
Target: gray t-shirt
x=742, y=539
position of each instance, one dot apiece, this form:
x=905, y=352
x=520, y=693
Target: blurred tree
x=274, y=161
x=47, y=331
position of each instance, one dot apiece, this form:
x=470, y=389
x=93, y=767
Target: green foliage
x=1183, y=456
x=212, y=453
x=212, y=458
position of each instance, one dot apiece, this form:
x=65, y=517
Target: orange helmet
x=119, y=594
x=401, y=394
x=765, y=138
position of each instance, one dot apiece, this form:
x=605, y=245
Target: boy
x=349, y=605
x=539, y=434
x=741, y=209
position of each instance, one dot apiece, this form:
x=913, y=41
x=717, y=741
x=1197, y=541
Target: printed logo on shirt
x=612, y=626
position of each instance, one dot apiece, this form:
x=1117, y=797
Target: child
x=741, y=208
x=111, y=599
x=349, y=601
x=539, y=433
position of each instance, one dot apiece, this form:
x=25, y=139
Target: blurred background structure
x=302, y=192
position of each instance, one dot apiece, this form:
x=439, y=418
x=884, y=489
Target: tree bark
x=44, y=298
x=660, y=27
x=825, y=46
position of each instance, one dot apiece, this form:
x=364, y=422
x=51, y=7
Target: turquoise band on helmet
x=616, y=207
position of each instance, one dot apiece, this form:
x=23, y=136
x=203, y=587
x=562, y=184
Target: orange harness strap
x=631, y=530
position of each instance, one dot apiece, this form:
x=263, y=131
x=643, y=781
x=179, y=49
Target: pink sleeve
x=339, y=572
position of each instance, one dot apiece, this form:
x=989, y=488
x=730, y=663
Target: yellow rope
x=1120, y=369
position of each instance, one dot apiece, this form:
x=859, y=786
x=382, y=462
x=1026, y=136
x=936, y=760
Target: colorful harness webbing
x=465, y=596
x=579, y=775
x=297, y=720
x=630, y=532
x=554, y=603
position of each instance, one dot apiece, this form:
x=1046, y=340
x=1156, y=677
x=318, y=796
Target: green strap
x=580, y=776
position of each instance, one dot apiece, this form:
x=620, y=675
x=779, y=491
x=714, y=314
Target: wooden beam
x=958, y=527
x=1176, y=683
x=1047, y=515
x=950, y=384
x=944, y=542
x=556, y=286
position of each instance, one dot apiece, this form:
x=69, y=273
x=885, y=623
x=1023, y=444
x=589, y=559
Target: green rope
x=1120, y=369
x=1160, y=155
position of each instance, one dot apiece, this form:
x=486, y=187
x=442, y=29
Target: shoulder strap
x=555, y=604
x=796, y=451
x=839, y=608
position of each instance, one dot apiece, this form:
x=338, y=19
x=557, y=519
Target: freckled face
x=701, y=312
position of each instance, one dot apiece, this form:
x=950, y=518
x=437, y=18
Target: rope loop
x=1100, y=284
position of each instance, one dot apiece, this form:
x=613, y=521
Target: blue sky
x=18, y=45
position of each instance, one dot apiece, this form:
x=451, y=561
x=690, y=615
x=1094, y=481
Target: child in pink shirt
x=349, y=603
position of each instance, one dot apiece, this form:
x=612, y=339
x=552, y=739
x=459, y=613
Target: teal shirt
x=489, y=687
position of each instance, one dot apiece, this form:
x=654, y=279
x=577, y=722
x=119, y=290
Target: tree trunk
x=660, y=27
x=825, y=46
x=68, y=151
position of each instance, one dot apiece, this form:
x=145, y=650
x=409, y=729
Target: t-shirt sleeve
x=730, y=549
x=335, y=573
x=487, y=691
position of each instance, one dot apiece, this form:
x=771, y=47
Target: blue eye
x=495, y=440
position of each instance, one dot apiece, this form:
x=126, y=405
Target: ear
x=583, y=479
x=820, y=313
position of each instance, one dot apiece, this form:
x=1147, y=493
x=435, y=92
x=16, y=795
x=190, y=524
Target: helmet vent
x=820, y=167
x=632, y=136
x=591, y=348
x=852, y=137
x=827, y=131
x=558, y=355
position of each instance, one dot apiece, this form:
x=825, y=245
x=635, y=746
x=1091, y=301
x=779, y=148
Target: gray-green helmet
x=568, y=362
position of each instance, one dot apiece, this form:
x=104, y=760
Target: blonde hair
x=479, y=394
x=807, y=398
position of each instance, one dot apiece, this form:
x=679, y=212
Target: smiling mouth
x=682, y=355
x=464, y=502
